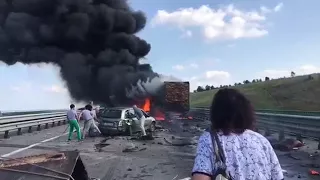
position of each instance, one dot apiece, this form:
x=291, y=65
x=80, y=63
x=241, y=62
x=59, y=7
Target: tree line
x=210, y=87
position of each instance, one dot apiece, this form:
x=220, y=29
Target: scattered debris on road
x=99, y=146
x=313, y=172
x=32, y=160
x=102, y=144
x=130, y=148
x=133, y=148
x=181, y=141
x=285, y=145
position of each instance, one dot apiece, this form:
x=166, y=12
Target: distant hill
x=296, y=93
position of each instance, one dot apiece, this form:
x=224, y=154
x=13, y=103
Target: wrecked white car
x=122, y=120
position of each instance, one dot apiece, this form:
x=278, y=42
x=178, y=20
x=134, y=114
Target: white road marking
x=187, y=178
x=175, y=177
x=31, y=146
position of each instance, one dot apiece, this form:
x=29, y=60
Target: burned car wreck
x=122, y=120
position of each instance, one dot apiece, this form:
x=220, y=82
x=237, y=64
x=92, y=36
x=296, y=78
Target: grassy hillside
x=298, y=93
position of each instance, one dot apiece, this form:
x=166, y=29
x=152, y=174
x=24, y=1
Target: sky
x=216, y=42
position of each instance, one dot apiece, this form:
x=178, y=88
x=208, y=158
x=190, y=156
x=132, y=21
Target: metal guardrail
x=16, y=113
x=289, y=112
x=300, y=126
x=9, y=123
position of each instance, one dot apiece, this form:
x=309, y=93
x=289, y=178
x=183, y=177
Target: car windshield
x=111, y=113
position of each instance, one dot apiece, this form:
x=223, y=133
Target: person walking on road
x=88, y=118
x=141, y=118
x=72, y=119
x=231, y=149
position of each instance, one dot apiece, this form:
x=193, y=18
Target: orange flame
x=146, y=106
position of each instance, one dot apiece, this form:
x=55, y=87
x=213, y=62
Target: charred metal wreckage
x=65, y=165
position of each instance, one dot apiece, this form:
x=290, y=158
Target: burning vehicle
x=171, y=102
x=123, y=120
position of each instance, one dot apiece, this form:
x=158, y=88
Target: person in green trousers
x=73, y=122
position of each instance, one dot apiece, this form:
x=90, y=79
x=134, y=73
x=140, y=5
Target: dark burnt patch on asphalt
x=103, y=143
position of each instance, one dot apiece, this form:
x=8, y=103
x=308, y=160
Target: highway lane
x=156, y=160
x=15, y=143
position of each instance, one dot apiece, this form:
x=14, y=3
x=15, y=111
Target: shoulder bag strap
x=220, y=149
x=217, y=146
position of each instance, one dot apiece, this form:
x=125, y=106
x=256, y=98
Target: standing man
x=73, y=122
x=94, y=114
x=95, y=120
x=93, y=111
x=141, y=118
x=88, y=118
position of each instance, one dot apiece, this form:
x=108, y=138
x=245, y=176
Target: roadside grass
x=297, y=93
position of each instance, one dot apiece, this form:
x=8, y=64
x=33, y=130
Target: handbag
x=220, y=160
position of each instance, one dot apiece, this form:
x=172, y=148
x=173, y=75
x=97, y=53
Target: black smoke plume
x=92, y=41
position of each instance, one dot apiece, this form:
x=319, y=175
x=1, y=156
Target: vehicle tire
x=105, y=133
x=153, y=127
x=128, y=131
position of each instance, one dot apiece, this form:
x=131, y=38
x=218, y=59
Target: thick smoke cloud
x=92, y=41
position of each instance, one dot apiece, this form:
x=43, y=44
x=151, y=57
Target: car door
x=135, y=122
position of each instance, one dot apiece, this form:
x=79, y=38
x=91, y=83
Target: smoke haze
x=92, y=41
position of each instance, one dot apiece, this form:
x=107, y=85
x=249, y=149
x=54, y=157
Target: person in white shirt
x=231, y=147
x=88, y=117
x=141, y=118
x=94, y=113
x=73, y=122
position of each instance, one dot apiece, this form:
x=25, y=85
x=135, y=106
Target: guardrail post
x=19, y=131
x=39, y=127
x=6, y=134
x=30, y=129
x=64, y=122
x=59, y=123
x=47, y=126
x=281, y=135
x=267, y=132
x=52, y=124
x=319, y=144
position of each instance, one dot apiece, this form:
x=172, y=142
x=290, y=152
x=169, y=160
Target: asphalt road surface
x=168, y=157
